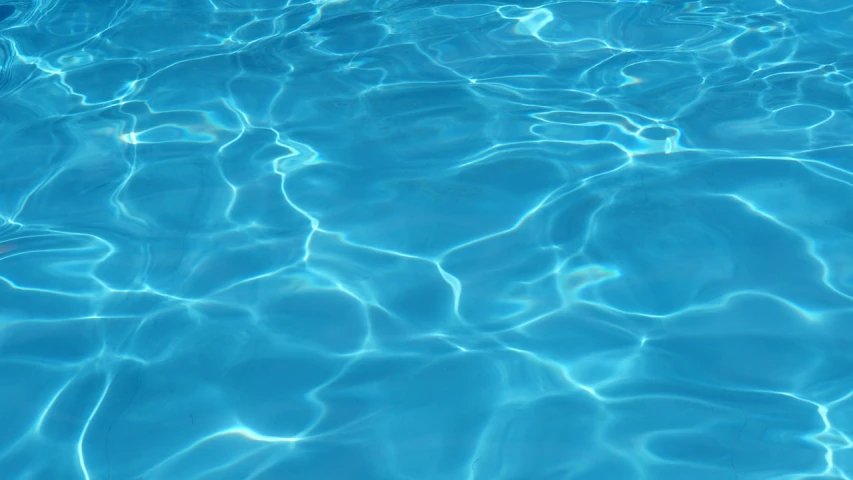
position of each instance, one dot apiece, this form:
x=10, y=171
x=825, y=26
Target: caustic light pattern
x=409, y=239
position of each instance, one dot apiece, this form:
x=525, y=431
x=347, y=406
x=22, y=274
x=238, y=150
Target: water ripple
x=458, y=240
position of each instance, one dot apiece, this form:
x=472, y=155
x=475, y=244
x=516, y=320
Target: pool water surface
x=410, y=239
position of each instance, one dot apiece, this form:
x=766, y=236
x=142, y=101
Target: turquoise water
x=270, y=239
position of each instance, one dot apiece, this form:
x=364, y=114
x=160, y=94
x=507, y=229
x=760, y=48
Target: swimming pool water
x=409, y=239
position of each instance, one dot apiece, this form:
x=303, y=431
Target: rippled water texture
x=271, y=239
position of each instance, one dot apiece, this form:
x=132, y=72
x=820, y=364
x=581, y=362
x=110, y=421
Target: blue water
x=410, y=239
